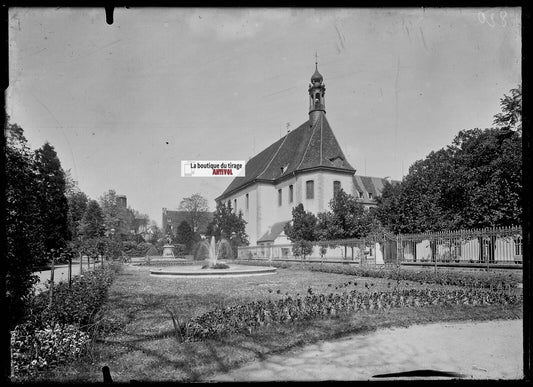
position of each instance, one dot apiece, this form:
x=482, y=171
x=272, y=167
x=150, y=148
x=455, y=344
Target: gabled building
x=171, y=220
x=306, y=166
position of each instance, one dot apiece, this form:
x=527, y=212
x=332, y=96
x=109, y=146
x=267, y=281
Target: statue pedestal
x=168, y=251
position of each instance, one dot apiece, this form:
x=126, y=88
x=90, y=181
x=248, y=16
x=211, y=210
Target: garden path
x=476, y=350
x=60, y=274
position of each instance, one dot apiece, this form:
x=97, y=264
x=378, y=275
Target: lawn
x=139, y=344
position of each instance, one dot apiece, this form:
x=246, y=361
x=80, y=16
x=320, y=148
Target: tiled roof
x=273, y=232
x=373, y=185
x=306, y=147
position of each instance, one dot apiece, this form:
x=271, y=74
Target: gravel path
x=476, y=350
x=60, y=274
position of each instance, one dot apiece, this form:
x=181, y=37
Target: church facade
x=305, y=166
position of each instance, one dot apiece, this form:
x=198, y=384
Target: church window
x=309, y=189
x=336, y=187
x=291, y=193
x=279, y=197
x=235, y=205
x=247, y=201
x=360, y=194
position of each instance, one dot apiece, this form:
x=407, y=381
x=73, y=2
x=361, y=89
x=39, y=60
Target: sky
x=123, y=104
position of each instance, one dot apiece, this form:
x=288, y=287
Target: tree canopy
x=196, y=206
x=229, y=225
x=474, y=182
x=53, y=209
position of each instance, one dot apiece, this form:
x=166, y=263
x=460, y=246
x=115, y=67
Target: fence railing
x=488, y=246
x=502, y=245
x=363, y=251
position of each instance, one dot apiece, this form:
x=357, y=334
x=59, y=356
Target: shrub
x=302, y=248
x=76, y=305
x=58, y=333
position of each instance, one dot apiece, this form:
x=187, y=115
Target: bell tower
x=317, y=90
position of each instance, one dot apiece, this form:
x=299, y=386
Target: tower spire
x=317, y=89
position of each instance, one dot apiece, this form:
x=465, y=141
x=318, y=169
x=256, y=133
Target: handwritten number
x=503, y=15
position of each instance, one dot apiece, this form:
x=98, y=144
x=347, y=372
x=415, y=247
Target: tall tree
x=77, y=204
x=24, y=231
x=474, y=182
x=53, y=202
x=92, y=225
x=388, y=207
x=197, y=207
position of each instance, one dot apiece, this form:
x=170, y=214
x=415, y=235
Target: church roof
x=305, y=148
x=273, y=232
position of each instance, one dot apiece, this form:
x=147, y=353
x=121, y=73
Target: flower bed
x=245, y=318
x=58, y=333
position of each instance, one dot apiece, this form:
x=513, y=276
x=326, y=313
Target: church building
x=306, y=166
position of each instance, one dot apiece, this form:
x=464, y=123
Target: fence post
x=398, y=240
x=52, y=281
x=81, y=263
x=69, y=271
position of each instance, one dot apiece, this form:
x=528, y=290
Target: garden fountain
x=213, y=268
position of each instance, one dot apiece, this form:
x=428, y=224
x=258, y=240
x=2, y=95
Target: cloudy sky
x=123, y=104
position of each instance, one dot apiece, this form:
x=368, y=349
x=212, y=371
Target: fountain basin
x=196, y=271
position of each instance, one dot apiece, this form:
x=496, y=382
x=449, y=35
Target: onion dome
x=317, y=77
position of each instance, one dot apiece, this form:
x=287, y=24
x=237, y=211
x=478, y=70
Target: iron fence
x=487, y=246
x=490, y=246
x=373, y=250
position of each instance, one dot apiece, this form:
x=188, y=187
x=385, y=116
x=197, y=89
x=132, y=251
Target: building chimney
x=122, y=201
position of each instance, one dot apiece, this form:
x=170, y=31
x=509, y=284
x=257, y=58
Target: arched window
x=336, y=187
x=309, y=189
x=291, y=193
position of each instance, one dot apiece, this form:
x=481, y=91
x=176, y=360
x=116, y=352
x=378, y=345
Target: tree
x=185, y=235
x=347, y=219
x=475, y=182
x=511, y=116
x=77, y=204
x=116, y=216
x=226, y=224
x=92, y=225
x=301, y=231
x=302, y=226
x=196, y=206
x=24, y=231
x=388, y=207
x=53, y=211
